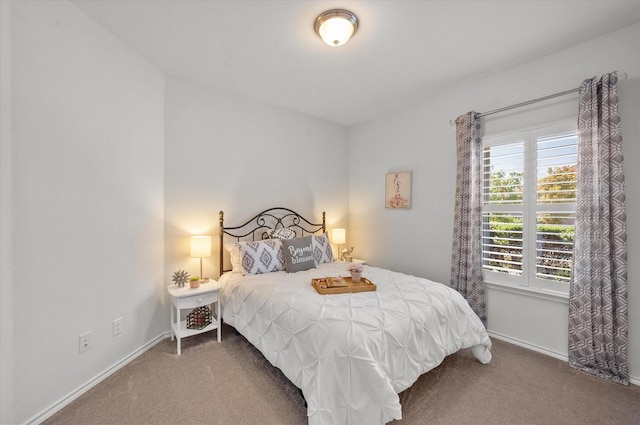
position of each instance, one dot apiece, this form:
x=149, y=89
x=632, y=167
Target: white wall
x=6, y=290
x=86, y=205
x=630, y=109
x=224, y=152
x=420, y=138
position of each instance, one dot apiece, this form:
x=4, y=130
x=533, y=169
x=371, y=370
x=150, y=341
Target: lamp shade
x=201, y=246
x=338, y=236
x=336, y=26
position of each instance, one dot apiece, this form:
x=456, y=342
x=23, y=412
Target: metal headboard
x=258, y=227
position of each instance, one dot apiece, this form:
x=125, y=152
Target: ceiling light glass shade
x=336, y=26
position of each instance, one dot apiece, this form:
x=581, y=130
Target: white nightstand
x=354, y=260
x=189, y=298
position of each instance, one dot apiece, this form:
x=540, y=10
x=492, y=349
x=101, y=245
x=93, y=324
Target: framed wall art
x=397, y=190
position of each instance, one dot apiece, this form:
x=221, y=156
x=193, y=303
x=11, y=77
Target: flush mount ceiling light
x=336, y=26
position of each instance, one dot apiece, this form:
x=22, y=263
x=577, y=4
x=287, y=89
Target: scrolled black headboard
x=258, y=227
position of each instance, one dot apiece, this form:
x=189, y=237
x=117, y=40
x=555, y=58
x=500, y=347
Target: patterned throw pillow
x=282, y=233
x=262, y=256
x=322, y=252
x=298, y=254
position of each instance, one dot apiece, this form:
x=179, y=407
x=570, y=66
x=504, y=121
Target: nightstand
x=183, y=298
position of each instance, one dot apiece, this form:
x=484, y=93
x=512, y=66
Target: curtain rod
x=623, y=77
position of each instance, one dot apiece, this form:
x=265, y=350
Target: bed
x=350, y=354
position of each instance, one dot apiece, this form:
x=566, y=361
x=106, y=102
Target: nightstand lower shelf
x=185, y=332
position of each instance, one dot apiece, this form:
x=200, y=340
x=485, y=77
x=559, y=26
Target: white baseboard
x=542, y=350
x=528, y=345
x=64, y=401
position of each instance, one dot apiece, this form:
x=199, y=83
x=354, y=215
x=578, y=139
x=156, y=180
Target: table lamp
x=201, y=247
x=339, y=236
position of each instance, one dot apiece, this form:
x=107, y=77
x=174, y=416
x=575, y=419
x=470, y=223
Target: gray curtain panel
x=466, y=259
x=598, y=324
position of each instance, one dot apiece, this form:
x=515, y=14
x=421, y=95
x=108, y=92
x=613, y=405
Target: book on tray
x=336, y=282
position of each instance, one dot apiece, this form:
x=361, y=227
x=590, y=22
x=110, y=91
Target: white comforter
x=351, y=354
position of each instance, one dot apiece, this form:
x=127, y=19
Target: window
x=529, y=203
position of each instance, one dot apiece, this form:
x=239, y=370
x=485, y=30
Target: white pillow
x=322, y=252
x=234, y=256
x=264, y=256
x=282, y=233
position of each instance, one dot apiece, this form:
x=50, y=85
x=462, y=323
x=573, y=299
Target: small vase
x=355, y=277
x=194, y=283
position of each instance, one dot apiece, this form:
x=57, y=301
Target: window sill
x=559, y=297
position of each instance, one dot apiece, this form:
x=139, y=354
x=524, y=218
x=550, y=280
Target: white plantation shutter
x=529, y=181
x=554, y=246
x=557, y=156
x=503, y=172
x=556, y=178
x=503, y=185
x=502, y=242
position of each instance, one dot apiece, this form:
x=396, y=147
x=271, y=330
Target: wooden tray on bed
x=363, y=286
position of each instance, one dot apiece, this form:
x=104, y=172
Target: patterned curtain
x=466, y=260
x=598, y=326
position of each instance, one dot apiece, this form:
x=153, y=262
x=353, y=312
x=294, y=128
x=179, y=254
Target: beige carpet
x=230, y=383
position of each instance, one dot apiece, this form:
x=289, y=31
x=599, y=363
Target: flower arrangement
x=355, y=268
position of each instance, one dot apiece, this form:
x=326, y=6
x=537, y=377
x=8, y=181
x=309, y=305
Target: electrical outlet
x=117, y=326
x=85, y=342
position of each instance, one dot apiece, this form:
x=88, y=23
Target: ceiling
x=403, y=51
